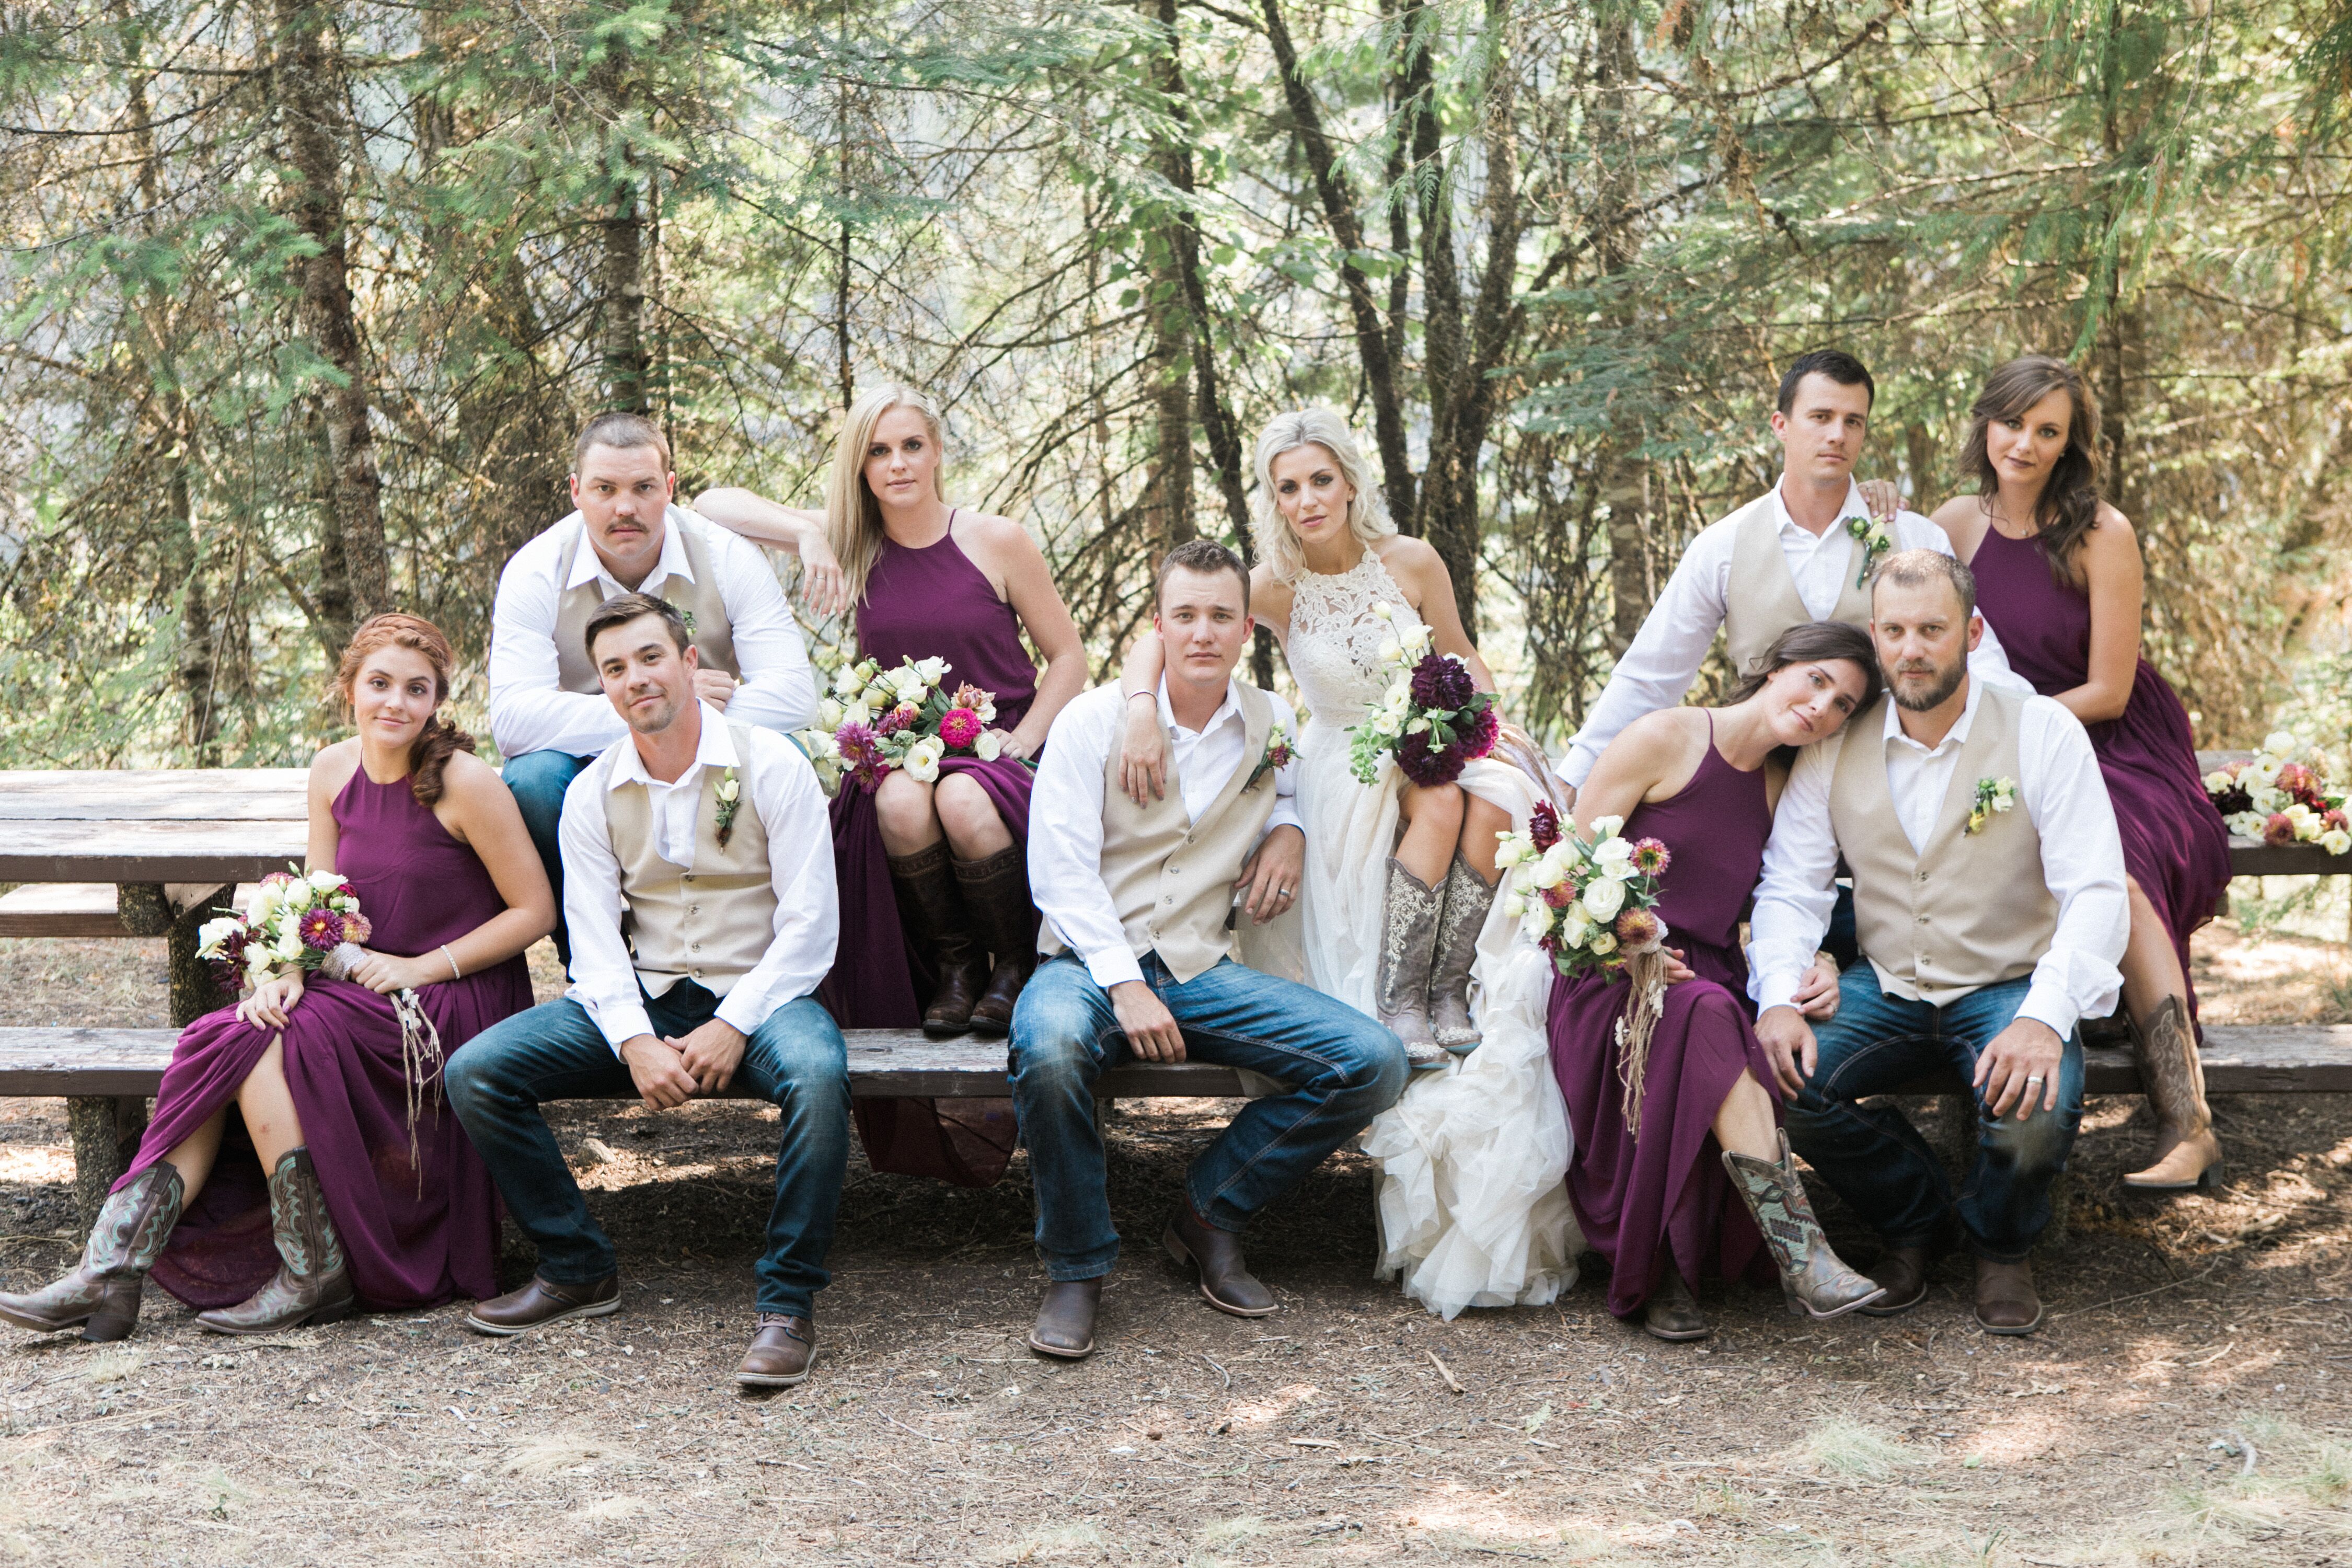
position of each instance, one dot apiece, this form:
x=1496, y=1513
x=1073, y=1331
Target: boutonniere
x=730, y=801
x=1877, y=538
x=1277, y=756
x=1992, y=796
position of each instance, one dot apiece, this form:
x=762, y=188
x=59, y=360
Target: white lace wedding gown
x=1472, y=1206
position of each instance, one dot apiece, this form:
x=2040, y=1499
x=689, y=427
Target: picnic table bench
x=120, y=852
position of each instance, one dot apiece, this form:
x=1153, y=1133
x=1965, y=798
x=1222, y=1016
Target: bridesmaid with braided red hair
x=342, y=1181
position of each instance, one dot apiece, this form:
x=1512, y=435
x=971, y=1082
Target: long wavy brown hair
x=439, y=740
x=2069, y=507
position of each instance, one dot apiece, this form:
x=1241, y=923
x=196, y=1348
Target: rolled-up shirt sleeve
x=1066, y=851
x=792, y=807
x=1798, y=891
x=604, y=976
x=1286, y=778
x=2083, y=863
x=778, y=689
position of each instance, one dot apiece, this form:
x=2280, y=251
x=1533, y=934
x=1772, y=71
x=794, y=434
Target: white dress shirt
x=529, y=709
x=2059, y=786
x=782, y=787
x=1664, y=656
x=1065, y=811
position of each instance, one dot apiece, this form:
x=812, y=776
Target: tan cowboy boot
x=1816, y=1282
x=312, y=1285
x=1407, y=944
x=1468, y=897
x=101, y=1295
x=2187, y=1154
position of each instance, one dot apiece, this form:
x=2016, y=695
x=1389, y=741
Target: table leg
x=106, y=1130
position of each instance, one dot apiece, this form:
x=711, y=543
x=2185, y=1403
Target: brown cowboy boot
x=996, y=893
x=1815, y=1281
x=1672, y=1311
x=311, y=1285
x=935, y=917
x=1468, y=897
x=2187, y=1154
x=1407, y=944
x=100, y=1296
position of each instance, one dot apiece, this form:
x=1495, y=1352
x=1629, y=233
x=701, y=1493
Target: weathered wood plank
x=214, y=851
x=187, y=795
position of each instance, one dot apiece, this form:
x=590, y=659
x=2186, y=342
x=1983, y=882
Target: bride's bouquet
x=1593, y=907
x=1431, y=715
x=2280, y=798
x=877, y=720
x=309, y=922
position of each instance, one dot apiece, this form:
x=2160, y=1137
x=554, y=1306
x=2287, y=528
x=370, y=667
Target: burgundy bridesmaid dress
x=418, y=1233
x=1664, y=1198
x=2175, y=846
x=931, y=602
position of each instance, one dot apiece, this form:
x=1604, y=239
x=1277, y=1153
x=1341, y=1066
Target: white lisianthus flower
x=1603, y=897
x=1513, y=906
x=990, y=746
x=1387, y=725
x=2264, y=770
x=828, y=713
x=1548, y=874
x=986, y=712
x=1390, y=650
x=326, y=881
x=933, y=670
x=847, y=682
x=1382, y=609
x=2279, y=742
x=2247, y=825
x=264, y=905
x=922, y=762
x=1603, y=943
x=1575, y=925
x=1416, y=726
x=1399, y=698
x=1510, y=850
x=2336, y=841
x=1607, y=827
x=1614, y=857
x=213, y=932
x=818, y=745
x=1415, y=638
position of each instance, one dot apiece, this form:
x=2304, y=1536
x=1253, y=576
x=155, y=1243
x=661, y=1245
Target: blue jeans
x=498, y=1081
x=1876, y=1161
x=537, y=780
x=1341, y=1068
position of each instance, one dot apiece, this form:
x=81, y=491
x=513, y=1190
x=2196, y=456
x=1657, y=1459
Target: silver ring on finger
x=2033, y=1077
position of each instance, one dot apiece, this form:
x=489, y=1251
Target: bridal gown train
x=1471, y=1207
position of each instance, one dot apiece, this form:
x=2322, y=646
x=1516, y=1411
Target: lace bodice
x=1335, y=637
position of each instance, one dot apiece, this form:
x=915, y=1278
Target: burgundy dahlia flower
x=1441, y=683
x=1543, y=827
x=1480, y=738
x=1425, y=767
x=319, y=930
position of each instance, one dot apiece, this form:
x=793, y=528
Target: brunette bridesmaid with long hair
x=342, y=1181
x=937, y=925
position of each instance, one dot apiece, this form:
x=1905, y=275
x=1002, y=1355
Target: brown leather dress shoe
x=1226, y=1282
x=542, y=1302
x=782, y=1350
x=1901, y=1271
x=2006, y=1300
x=1065, y=1319
x=1672, y=1311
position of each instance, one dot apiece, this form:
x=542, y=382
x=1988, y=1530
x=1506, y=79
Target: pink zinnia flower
x=1650, y=858
x=960, y=729
x=2278, y=829
x=319, y=930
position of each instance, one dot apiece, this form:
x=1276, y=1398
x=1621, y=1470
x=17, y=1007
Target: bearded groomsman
x=547, y=712
x=1989, y=899
x=702, y=907
x=1799, y=552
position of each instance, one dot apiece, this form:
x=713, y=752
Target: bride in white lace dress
x=1400, y=915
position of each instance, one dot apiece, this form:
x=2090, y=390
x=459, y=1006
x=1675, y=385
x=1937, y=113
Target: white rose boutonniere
x=730, y=801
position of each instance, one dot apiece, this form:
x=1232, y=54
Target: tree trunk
x=1172, y=260
x=1624, y=472
x=621, y=278
x=317, y=126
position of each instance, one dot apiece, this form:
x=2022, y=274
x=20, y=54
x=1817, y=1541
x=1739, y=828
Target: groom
x=1989, y=899
x=1139, y=905
x=702, y=910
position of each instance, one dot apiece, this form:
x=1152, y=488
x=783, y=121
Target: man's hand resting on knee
x=1146, y=1022
x=1787, y=1040
x=711, y=1054
x=2020, y=1068
x=658, y=1070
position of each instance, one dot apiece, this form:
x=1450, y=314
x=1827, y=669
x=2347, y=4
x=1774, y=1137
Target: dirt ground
x=2184, y=1406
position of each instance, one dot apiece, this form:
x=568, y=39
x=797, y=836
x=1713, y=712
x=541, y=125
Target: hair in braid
x=440, y=739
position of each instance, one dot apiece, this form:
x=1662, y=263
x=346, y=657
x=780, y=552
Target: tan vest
x=712, y=922
x=1969, y=910
x=1761, y=601
x=699, y=601
x=1171, y=878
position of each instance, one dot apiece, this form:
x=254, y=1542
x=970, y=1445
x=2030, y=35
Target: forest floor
x=2185, y=1403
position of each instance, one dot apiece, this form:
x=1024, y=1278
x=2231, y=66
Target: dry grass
x=929, y=1436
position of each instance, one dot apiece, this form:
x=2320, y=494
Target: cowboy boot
x=1672, y=1311
x=935, y=918
x=101, y=1294
x=996, y=892
x=2187, y=1154
x=1468, y=897
x=1816, y=1283
x=311, y=1285
x=1408, y=943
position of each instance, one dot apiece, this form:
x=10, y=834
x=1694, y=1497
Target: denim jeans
x=498, y=1081
x=537, y=780
x=1339, y=1068
x=1876, y=1161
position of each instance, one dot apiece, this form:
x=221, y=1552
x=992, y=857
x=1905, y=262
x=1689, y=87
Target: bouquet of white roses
x=876, y=720
x=2281, y=798
x=1432, y=714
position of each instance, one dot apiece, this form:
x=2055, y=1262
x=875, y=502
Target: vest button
x=1923, y=919
x=1169, y=900
x=694, y=947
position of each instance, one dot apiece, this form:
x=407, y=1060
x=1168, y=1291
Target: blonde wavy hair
x=853, y=518
x=1368, y=517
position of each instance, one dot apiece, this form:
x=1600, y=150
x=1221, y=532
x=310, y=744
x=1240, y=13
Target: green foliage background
x=303, y=300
